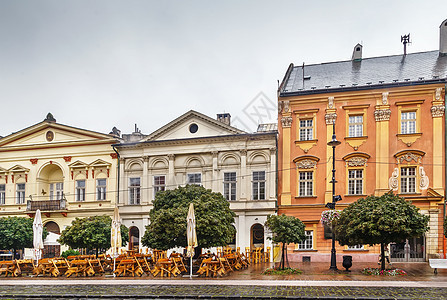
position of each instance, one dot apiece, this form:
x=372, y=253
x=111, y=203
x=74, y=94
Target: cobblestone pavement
x=210, y=291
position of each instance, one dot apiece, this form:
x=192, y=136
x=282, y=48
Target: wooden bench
x=438, y=264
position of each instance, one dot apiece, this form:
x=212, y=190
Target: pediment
x=52, y=134
x=3, y=171
x=100, y=163
x=192, y=125
x=78, y=164
x=18, y=169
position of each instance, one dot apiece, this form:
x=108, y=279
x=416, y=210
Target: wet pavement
x=316, y=281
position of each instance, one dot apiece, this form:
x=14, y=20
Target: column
x=272, y=177
x=437, y=112
x=242, y=232
x=146, y=186
x=215, y=180
x=330, y=117
x=171, y=172
x=286, y=123
x=382, y=116
x=122, y=196
x=245, y=176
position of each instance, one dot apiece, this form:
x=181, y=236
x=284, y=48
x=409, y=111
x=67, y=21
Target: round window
x=193, y=128
x=49, y=136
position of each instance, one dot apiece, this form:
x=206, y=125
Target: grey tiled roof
x=414, y=68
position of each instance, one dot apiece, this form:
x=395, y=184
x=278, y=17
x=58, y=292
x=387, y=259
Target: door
x=411, y=250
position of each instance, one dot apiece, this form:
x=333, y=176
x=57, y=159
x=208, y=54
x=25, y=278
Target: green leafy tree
x=17, y=233
x=285, y=230
x=167, y=228
x=379, y=220
x=91, y=233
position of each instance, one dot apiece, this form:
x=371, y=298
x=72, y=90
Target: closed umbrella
x=37, y=236
x=191, y=234
x=115, y=237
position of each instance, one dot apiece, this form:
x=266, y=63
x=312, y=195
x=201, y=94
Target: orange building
x=389, y=116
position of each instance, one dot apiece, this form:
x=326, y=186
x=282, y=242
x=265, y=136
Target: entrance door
x=134, y=238
x=412, y=250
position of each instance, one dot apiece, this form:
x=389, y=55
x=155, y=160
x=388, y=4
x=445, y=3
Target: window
x=356, y=247
x=306, y=183
x=2, y=194
x=20, y=193
x=159, y=183
x=306, y=130
x=230, y=186
x=408, y=122
x=56, y=190
x=408, y=180
x=355, y=126
x=355, y=182
x=80, y=190
x=195, y=178
x=259, y=185
x=101, y=185
x=307, y=243
x=134, y=190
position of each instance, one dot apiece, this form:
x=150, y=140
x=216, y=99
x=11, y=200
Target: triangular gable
x=180, y=128
x=18, y=169
x=2, y=171
x=100, y=163
x=433, y=193
x=51, y=134
x=78, y=164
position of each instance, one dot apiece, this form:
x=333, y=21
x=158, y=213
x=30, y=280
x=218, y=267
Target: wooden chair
x=79, y=267
x=9, y=268
x=204, y=267
x=267, y=255
x=248, y=254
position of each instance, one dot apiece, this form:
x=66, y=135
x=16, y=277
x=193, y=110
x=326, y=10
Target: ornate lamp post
x=333, y=143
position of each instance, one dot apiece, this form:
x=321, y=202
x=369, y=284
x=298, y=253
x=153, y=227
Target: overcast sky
x=98, y=64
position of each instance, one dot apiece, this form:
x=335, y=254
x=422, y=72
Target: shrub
x=70, y=252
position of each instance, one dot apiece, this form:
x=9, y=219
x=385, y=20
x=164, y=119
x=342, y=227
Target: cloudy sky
x=97, y=64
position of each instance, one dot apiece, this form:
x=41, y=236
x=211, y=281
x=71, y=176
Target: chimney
x=357, y=53
x=224, y=118
x=443, y=38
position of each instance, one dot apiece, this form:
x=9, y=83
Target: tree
x=17, y=233
x=167, y=228
x=91, y=233
x=379, y=220
x=285, y=230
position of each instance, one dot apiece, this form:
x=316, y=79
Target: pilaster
x=171, y=172
x=437, y=111
x=331, y=118
x=244, y=175
x=382, y=116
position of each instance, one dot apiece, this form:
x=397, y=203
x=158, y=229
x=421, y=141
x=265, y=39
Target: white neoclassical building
x=197, y=149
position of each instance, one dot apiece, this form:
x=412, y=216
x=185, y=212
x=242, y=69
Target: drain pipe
x=118, y=176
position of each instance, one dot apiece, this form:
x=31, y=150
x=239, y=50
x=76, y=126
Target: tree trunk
x=382, y=255
x=281, y=264
x=15, y=253
x=96, y=252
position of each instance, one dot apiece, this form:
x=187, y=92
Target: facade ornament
x=385, y=98
x=437, y=111
x=423, y=184
x=33, y=160
x=356, y=162
x=306, y=164
x=393, y=182
x=409, y=157
x=286, y=122
x=330, y=118
x=171, y=156
x=243, y=151
x=330, y=102
x=286, y=106
x=272, y=151
x=438, y=94
x=279, y=106
x=214, y=153
x=382, y=114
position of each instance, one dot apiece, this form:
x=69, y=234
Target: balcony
x=46, y=205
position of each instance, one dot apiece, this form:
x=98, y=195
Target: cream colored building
x=64, y=171
x=197, y=149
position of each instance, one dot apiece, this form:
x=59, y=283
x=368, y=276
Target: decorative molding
x=286, y=122
x=356, y=162
x=306, y=145
x=286, y=106
x=423, y=184
x=385, y=98
x=33, y=160
x=330, y=103
x=272, y=150
x=330, y=118
x=409, y=139
x=171, y=156
x=243, y=151
x=438, y=94
x=114, y=155
x=408, y=157
x=306, y=164
x=437, y=111
x=393, y=182
x=214, y=153
x=382, y=114
x=356, y=142
x=68, y=158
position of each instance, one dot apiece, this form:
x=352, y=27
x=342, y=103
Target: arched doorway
x=257, y=236
x=50, y=183
x=134, y=238
x=51, y=248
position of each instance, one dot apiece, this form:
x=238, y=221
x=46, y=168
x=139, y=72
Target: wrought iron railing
x=46, y=205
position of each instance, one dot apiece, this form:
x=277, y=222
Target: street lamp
x=333, y=143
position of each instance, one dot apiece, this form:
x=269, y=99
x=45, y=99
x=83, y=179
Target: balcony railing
x=46, y=205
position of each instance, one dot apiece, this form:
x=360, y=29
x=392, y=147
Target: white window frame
x=306, y=183
x=408, y=122
x=355, y=183
x=2, y=194
x=259, y=185
x=307, y=243
x=306, y=129
x=230, y=186
x=56, y=188
x=355, y=126
x=356, y=247
x=194, y=178
x=407, y=180
x=101, y=189
x=20, y=193
x=80, y=190
x=134, y=190
x=159, y=187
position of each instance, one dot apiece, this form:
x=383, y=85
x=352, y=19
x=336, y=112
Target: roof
x=267, y=127
x=369, y=73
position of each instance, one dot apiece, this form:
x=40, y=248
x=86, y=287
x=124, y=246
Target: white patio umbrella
x=37, y=236
x=115, y=237
x=191, y=234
